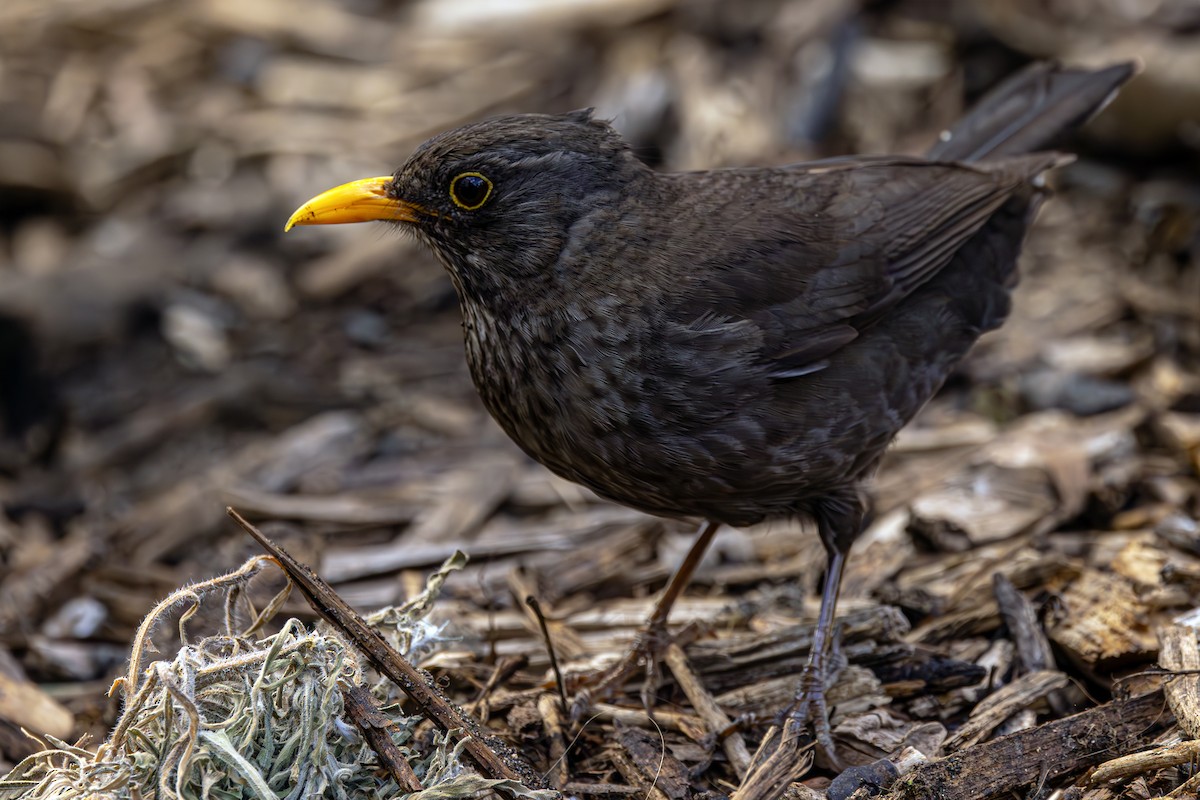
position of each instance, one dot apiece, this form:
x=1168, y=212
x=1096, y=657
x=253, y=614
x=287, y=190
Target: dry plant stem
x=363, y=711
x=192, y=595
x=714, y=718
x=117, y=738
x=788, y=755
x=493, y=758
x=666, y=720
x=1145, y=762
x=178, y=760
x=553, y=721
x=536, y=608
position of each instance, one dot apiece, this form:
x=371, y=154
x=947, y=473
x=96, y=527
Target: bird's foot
x=652, y=641
x=786, y=752
x=643, y=656
x=810, y=709
x=810, y=706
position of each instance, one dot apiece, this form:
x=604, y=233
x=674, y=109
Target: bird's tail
x=1030, y=110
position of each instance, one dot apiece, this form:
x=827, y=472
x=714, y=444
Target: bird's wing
x=822, y=250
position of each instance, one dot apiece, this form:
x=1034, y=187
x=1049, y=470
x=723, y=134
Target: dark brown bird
x=733, y=345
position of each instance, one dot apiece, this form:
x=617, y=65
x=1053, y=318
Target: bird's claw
x=644, y=655
x=810, y=707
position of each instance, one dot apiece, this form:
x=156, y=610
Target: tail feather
x=1030, y=110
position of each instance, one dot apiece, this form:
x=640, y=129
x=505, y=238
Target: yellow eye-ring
x=470, y=190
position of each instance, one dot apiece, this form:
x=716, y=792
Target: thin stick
x=714, y=718
x=365, y=714
x=536, y=607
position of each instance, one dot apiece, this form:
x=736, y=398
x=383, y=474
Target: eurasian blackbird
x=733, y=345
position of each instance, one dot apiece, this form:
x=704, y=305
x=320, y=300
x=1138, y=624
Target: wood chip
x=1105, y=624
x=1179, y=651
x=997, y=707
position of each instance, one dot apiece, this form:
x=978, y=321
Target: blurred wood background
x=166, y=351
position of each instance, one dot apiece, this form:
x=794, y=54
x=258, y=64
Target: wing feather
x=824, y=249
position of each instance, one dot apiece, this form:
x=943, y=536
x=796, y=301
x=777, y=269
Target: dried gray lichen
x=234, y=716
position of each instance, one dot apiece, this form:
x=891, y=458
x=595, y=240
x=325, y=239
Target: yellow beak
x=357, y=201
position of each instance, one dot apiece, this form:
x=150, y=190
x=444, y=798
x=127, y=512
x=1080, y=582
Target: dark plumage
x=732, y=345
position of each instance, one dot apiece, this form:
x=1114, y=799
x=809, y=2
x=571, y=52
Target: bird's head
x=496, y=200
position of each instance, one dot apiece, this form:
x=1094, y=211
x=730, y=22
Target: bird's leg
x=809, y=705
x=652, y=639
x=839, y=517
x=782, y=755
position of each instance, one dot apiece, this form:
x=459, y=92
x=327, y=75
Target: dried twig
x=363, y=711
x=709, y=711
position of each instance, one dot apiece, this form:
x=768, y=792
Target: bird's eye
x=470, y=190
